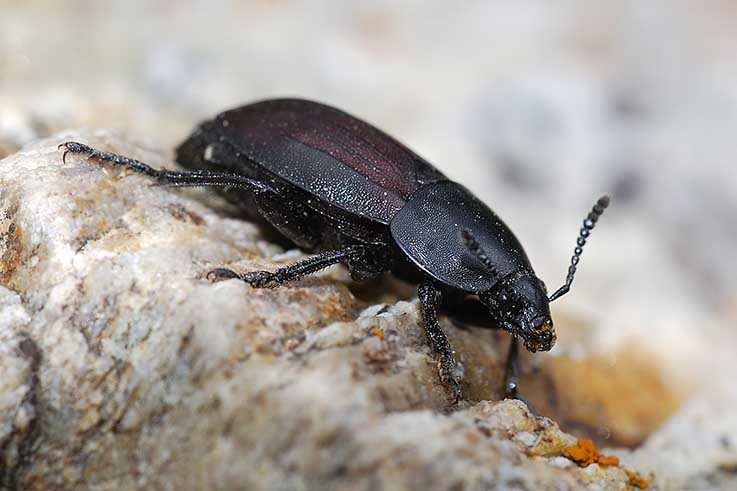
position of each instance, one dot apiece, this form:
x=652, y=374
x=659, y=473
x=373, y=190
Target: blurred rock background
x=537, y=107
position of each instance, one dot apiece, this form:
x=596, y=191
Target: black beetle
x=334, y=184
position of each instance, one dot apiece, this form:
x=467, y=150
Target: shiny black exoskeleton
x=336, y=185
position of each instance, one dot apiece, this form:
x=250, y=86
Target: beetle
x=337, y=186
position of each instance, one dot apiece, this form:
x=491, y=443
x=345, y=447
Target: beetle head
x=519, y=303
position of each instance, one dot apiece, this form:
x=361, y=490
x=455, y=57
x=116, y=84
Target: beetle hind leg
x=447, y=366
x=264, y=279
x=164, y=176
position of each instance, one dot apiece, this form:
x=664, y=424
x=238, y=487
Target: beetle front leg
x=438, y=341
x=262, y=279
x=511, y=370
x=469, y=311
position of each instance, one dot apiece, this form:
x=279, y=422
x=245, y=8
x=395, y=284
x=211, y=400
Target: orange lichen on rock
x=607, y=460
x=377, y=332
x=585, y=453
x=636, y=479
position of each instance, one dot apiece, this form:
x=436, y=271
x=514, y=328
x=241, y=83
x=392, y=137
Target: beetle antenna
x=588, y=225
x=473, y=245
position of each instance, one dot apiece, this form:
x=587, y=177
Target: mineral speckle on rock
x=122, y=367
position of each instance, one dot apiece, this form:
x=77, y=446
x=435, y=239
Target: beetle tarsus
x=265, y=279
x=221, y=274
x=447, y=367
x=511, y=371
x=136, y=165
x=438, y=341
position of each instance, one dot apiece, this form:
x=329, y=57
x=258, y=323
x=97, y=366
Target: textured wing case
x=328, y=153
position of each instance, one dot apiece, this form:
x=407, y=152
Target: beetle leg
x=261, y=279
x=469, y=311
x=511, y=375
x=168, y=177
x=447, y=365
x=511, y=370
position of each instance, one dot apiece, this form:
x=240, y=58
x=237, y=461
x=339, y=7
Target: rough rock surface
x=122, y=367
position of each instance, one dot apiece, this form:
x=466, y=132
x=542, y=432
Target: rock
x=122, y=367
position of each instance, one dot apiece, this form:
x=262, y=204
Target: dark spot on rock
x=181, y=213
x=11, y=251
x=484, y=430
x=185, y=341
x=29, y=349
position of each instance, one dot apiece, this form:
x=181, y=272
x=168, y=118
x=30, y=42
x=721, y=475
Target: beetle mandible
x=336, y=185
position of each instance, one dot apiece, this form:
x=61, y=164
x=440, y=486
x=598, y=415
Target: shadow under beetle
x=336, y=185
